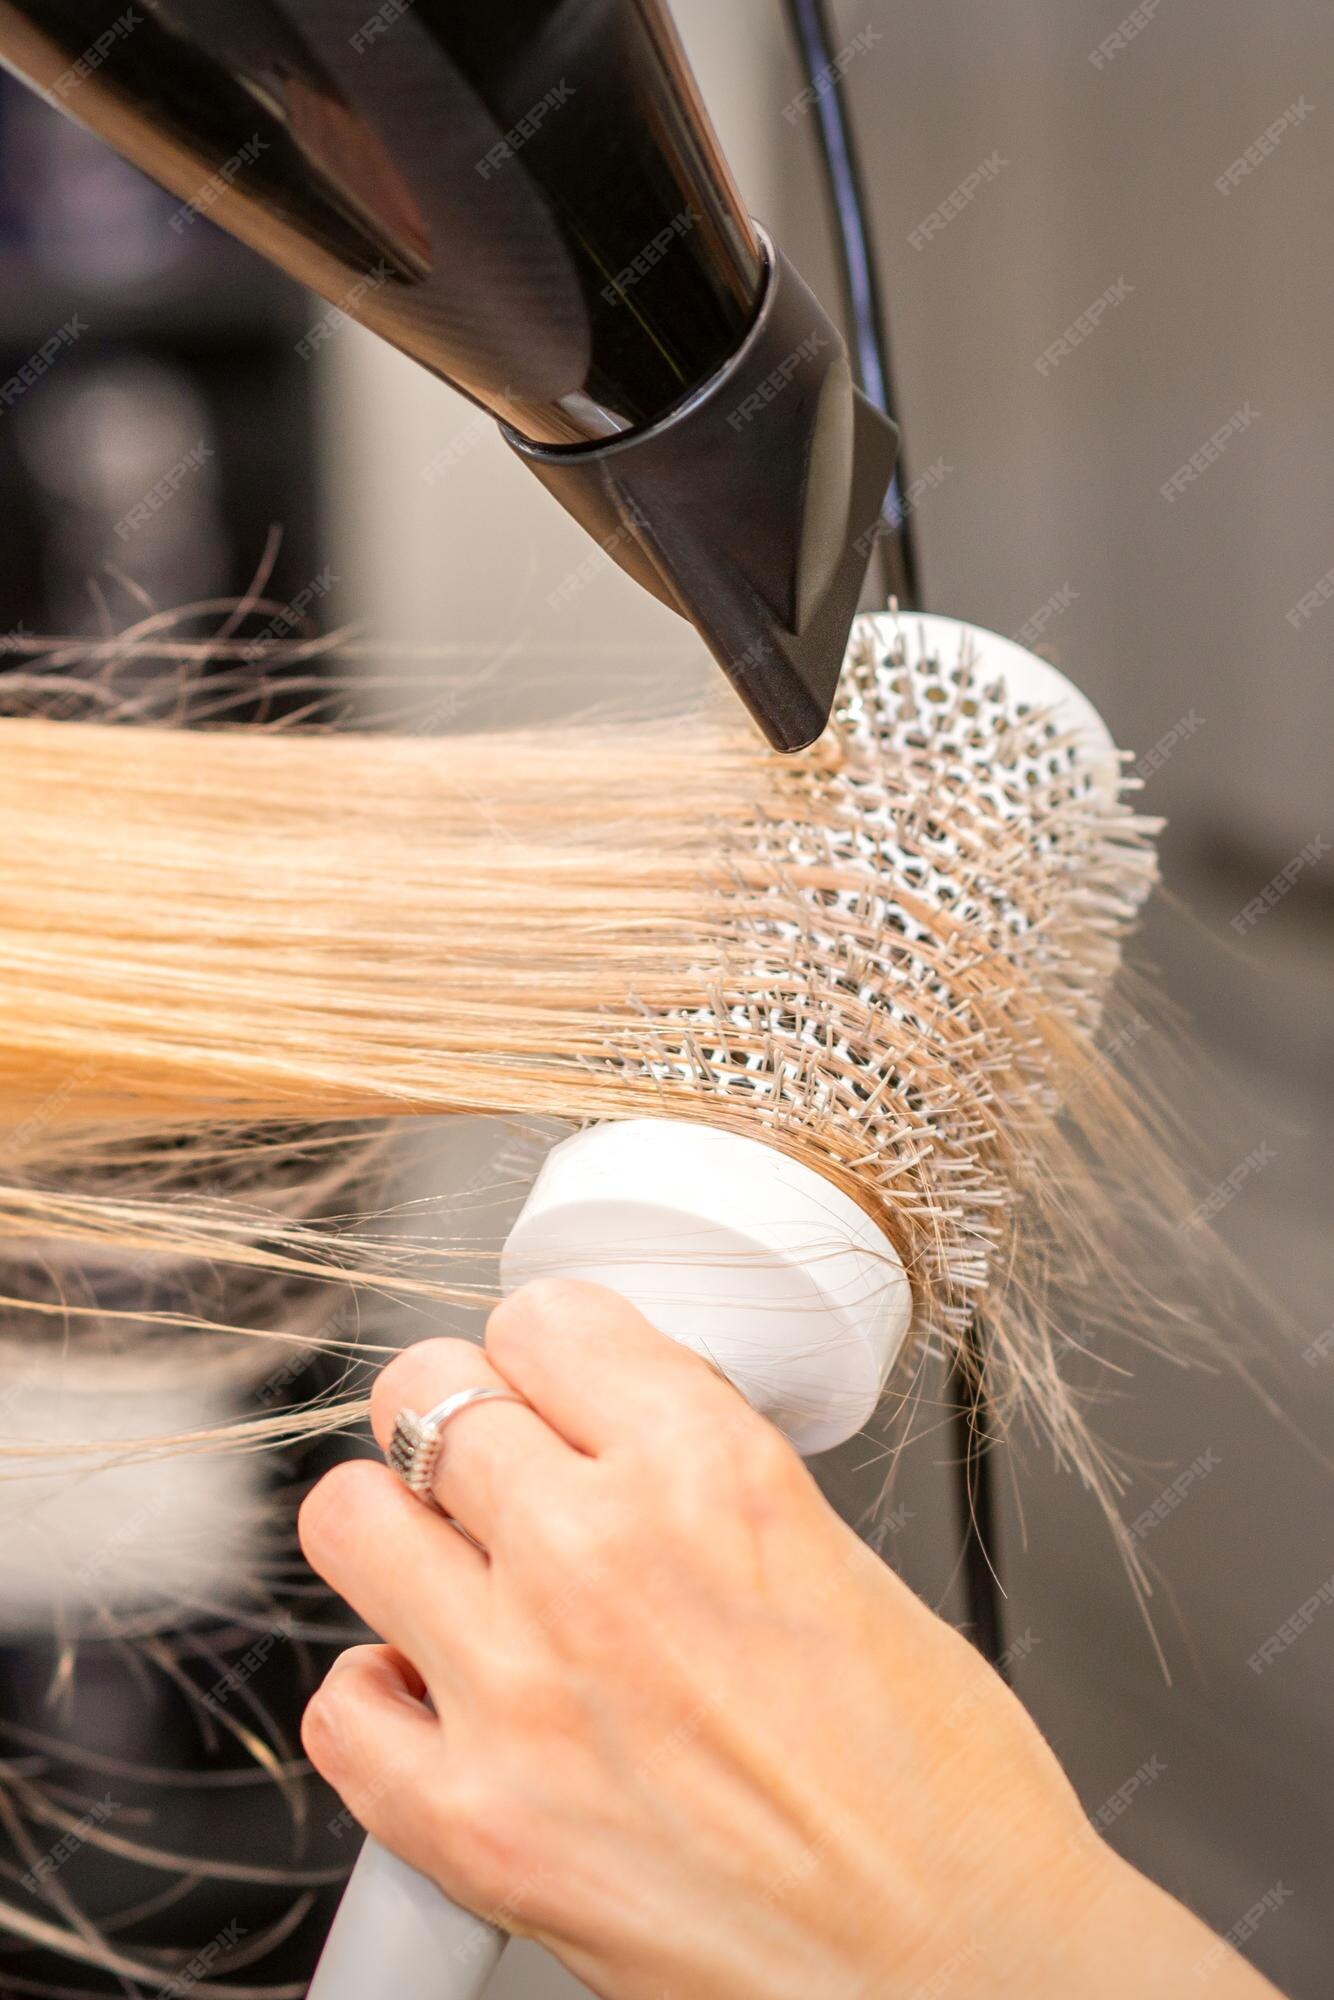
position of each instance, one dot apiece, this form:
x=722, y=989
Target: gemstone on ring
x=410, y=1453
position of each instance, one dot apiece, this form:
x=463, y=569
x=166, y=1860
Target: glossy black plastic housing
x=753, y=509
x=527, y=197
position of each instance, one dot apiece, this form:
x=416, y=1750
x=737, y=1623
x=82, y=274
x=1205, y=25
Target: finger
x=600, y=1373
x=500, y=1463
x=402, y=1568
x=395, y=1766
x=370, y=1735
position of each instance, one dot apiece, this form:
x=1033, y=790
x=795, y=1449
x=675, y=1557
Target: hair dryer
x=530, y=200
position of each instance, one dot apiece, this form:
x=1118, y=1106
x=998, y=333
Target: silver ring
x=414, y=1447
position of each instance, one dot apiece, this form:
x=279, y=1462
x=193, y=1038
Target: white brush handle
x=747, y=1257
x=395, y=1937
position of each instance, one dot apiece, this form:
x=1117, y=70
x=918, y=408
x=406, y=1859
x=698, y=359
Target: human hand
x=688, y=1731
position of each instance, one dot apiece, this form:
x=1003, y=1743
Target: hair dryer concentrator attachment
x=753, y=509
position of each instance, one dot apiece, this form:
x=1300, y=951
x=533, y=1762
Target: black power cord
x=971, y=1423
x=971, y=1418
x=867, y=319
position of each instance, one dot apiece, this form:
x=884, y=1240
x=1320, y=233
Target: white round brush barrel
x=740, y=1253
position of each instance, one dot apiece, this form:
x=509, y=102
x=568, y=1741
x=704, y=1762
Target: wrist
x=1123, y=1934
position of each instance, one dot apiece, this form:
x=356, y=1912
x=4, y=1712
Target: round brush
x=781, y=1277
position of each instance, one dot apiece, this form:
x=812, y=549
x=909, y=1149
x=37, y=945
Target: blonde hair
x=889, y=956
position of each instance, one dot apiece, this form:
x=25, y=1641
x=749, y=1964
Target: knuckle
x=761, y=1474
x=536, y=1311
x=763, y=1457
x=424, y=1372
